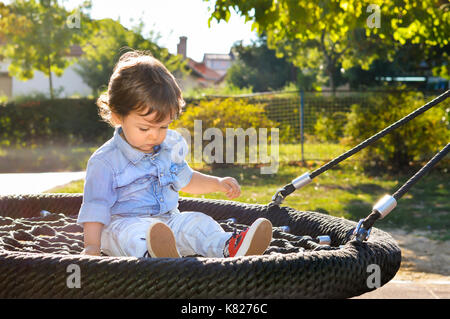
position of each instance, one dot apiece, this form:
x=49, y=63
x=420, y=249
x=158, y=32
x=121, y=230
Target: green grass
x=289, y=153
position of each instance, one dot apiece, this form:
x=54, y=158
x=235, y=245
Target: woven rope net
x=36, y=251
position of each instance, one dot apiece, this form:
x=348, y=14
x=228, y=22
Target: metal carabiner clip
x=278, y=198
x=360, y=233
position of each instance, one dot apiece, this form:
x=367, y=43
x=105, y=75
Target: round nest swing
x=40, y=245
x=37, y=251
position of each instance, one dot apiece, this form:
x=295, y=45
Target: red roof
x=203, y=71
x=75, y=50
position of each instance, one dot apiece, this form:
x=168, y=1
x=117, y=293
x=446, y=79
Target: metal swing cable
x=387, y=203
x=405, y=188
x=307, y=177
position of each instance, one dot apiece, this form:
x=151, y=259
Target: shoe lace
x=237, y=234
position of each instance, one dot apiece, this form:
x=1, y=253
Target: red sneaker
x=250, y=241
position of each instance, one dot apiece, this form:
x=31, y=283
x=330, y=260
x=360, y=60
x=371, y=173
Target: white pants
x=195, y=234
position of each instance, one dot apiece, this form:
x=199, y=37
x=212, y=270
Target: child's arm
x=92, y=238
x=98, y=198
x=202, y=184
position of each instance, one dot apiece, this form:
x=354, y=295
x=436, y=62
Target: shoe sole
x=257, y=239
x=161, y=241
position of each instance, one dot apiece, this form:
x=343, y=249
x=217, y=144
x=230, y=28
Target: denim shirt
x=121, y=180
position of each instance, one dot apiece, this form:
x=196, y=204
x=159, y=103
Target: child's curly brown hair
x=140, y=83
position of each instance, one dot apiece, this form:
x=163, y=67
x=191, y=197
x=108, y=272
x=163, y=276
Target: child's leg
x=127, y=236
x=198, y=234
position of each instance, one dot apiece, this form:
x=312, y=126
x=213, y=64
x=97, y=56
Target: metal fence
x=297, y=114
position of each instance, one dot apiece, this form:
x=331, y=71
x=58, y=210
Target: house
x=218, y=62
x=210, y=72
x=68, y=84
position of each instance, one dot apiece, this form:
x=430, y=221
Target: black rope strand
x=371, y=219
x=380, y=134
x=402, y=190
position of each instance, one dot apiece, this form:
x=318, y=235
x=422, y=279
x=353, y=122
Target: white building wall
x=70, y=81
x=221, y=66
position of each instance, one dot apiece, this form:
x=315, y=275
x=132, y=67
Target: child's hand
x=91, y=251
x=230, y=187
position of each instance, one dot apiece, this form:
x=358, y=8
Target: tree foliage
x=38, y=37
x=330, y=33
x=258, y=67
x=408, y=60
x=105, y=46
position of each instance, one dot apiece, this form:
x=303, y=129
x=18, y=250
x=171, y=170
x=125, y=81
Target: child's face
x=143, y=132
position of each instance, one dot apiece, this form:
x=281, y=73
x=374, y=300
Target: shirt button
x=162, y=199
x=162, y=174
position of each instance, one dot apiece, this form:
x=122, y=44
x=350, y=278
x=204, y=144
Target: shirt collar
x=132, y=154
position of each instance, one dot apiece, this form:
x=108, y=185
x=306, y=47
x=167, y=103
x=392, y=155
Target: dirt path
x=424, y=272
x=423, y=259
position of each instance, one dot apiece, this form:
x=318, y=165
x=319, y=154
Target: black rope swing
x=311, y=255
x=387, y=203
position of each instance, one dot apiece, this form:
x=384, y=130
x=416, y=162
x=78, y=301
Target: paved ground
x=29, y=183
x=401, y=289
x=396, y=289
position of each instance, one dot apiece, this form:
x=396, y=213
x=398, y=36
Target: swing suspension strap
x=387, y=203
x=306, y=178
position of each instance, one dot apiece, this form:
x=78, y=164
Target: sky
x=175, y=18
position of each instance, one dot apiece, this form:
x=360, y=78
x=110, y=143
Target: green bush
x=330, y=129
x=417, y=140
x=222, y=114
x=51, y=122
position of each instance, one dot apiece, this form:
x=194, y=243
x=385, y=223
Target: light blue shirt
x=121, y=180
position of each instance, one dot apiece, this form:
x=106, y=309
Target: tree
x=39, y=36
x=259, y=68
x=408, y=60
x=105, y=46
x=329, y=33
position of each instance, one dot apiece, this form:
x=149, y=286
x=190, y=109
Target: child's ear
x=116, y=119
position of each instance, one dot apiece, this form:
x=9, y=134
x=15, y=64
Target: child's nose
x=154, y=134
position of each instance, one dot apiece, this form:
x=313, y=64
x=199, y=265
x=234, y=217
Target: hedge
x=47, y=122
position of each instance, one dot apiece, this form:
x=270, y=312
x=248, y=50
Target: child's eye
x=146, y=129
